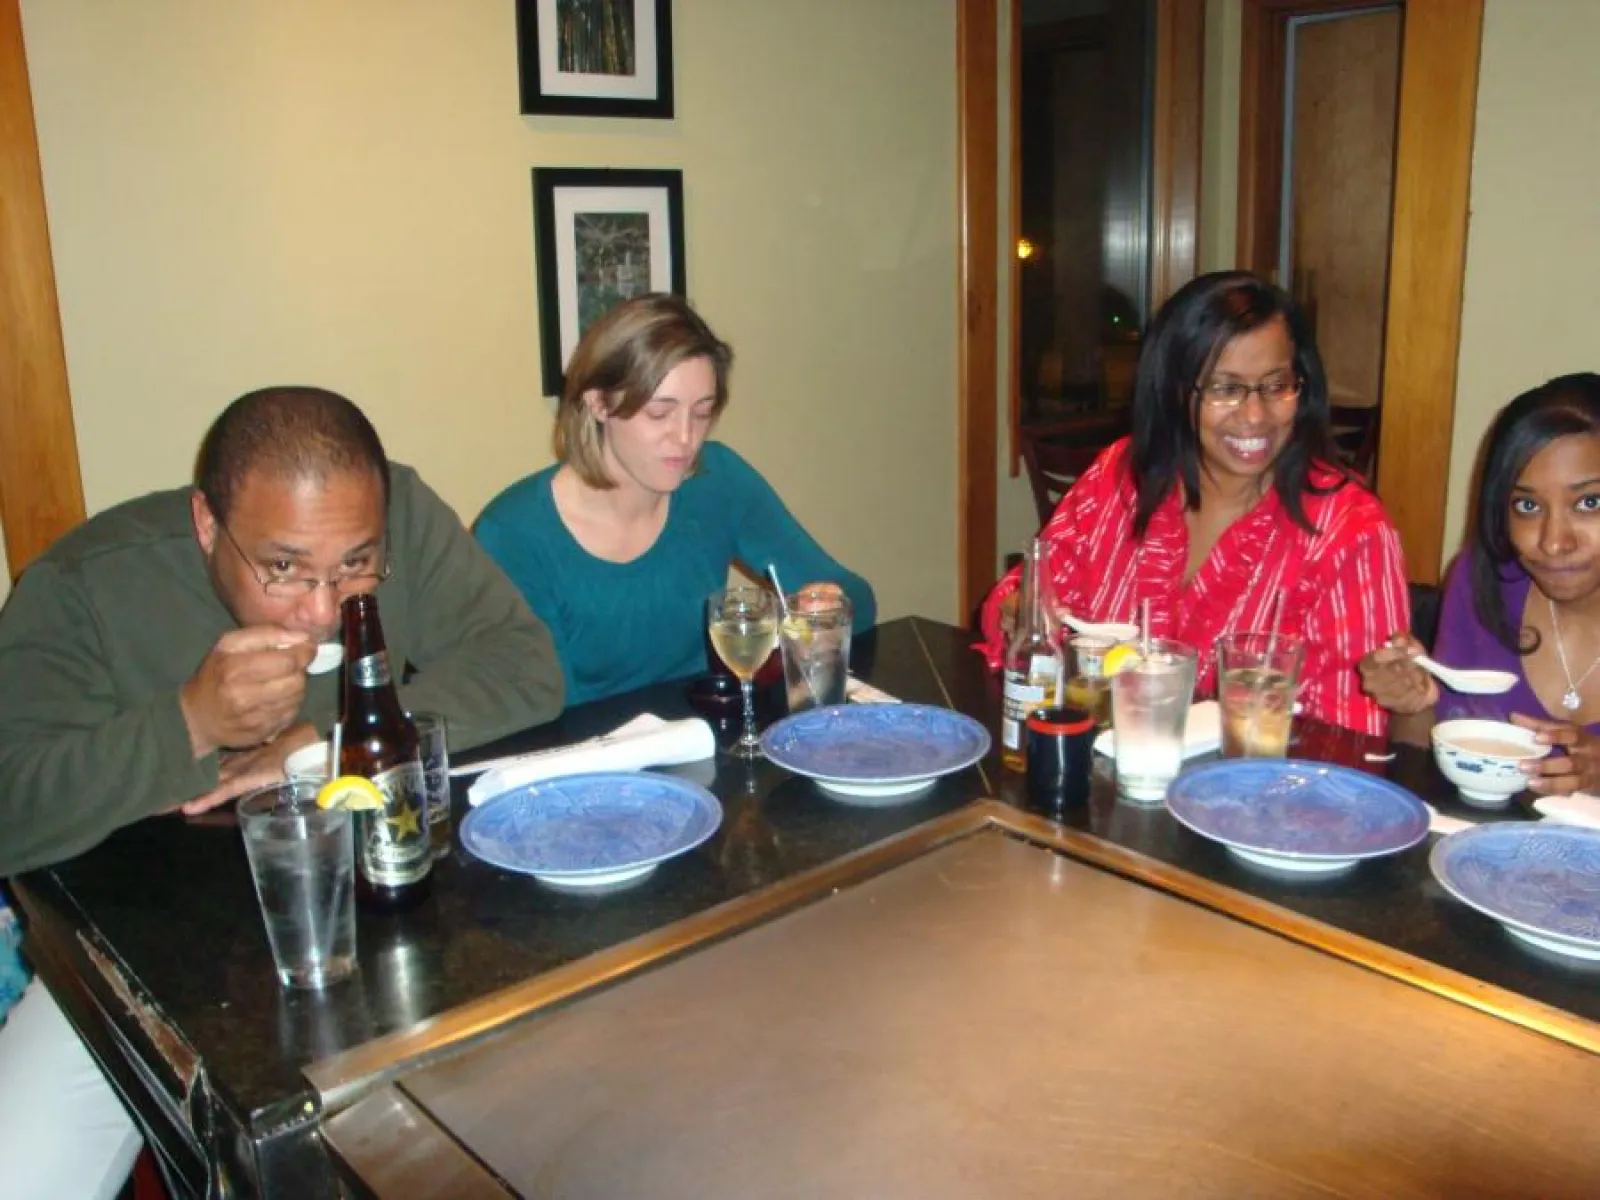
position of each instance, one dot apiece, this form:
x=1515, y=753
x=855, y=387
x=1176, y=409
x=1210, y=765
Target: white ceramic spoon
x=328, y=656
x=1468, y=683
x=1116, y=630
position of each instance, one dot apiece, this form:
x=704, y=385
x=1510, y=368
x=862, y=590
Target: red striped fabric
x=1343, y=586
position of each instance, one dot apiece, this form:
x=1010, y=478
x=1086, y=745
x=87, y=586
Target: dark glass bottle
x=378, y=741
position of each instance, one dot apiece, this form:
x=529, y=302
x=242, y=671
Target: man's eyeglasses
x=351, y=579
x=1229, y=394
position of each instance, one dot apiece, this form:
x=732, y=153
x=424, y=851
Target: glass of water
x=433, y=738
x=302, y=859
x=1150, y=698
x=815, y=639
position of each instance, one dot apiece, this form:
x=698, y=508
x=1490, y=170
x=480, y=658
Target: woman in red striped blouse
x=1225, y=497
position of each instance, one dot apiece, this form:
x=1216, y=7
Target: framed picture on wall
x=595, y=58
x=600, y=237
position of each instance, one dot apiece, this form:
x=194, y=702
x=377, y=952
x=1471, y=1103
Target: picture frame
x=595, y=58
x=600, y=237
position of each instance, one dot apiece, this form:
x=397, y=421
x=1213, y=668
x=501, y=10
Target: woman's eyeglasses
x=1230, y=393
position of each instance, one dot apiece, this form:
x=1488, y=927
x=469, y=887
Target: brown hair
x=624, y=356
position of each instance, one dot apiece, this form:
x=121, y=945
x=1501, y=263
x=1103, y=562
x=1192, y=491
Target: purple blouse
x=1462, y=641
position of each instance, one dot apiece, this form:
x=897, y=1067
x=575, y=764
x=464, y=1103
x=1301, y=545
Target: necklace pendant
x=1572, y=702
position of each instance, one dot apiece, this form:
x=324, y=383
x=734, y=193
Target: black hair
x=1181, y=346
x=1566, y=405
x=290, y=432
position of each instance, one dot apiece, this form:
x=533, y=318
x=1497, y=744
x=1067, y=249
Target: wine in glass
x=743, y=623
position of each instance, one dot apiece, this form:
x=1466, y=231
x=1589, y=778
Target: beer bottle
x=378, y=741
x=1032, y=662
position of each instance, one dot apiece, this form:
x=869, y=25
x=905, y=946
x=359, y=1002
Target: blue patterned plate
x=1306, y=817
x=1541, y=881
x=875, y=753
x=588, y=831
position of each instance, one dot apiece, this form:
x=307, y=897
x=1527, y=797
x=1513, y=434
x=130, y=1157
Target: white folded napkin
x=645, y=741
x=857, y=692
x=1579, y=808
x=1443, y=825
x=1202, y=732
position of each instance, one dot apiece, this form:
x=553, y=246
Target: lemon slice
x=1119, y=658
x=797, y=629
x=350, y=791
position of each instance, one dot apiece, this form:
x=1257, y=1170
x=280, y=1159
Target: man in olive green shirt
x=155, y=657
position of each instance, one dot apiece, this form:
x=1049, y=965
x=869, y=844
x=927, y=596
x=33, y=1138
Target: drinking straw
x=783, y=601
x=783, y=608
x=1144, y=628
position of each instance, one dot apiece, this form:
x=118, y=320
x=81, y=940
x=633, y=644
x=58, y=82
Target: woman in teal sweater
x=619, y=544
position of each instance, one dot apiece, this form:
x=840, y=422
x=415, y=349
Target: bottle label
x=392, y=842
x=371, y=671
x=1021, y=698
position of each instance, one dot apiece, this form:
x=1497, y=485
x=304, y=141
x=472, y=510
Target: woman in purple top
x=1525, y=594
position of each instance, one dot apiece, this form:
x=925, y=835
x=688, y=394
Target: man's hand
x=247, y=688
x=243, y=770
x=1576, y=770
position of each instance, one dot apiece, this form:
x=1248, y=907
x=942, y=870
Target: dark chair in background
x=1056, y=453
x=1355, y=434
x=1424, y=612
x=1053, y=467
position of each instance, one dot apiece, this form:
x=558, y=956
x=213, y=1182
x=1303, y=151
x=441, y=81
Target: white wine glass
x=743, y=623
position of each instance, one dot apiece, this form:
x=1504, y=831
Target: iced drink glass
x=1258, y=676
x=1150, y=698
x=302, y=859
x=815, y=639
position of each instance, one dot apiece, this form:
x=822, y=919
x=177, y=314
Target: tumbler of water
x=1150, y=697
x=815, y=639
x=302, y=860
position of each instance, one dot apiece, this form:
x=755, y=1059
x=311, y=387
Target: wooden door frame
x=1441, y=42
x=1427, y=270
x=1176, y=121
x=41, y=491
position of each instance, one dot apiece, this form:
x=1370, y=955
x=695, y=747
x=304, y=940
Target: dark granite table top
x=170, y=901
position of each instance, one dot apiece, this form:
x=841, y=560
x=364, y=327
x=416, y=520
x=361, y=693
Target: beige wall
x=299, y=191
x=1531, y=310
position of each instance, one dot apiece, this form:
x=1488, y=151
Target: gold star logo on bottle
x=406, y=821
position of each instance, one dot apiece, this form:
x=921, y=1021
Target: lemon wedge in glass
x=1120, y=657
x=350, y=791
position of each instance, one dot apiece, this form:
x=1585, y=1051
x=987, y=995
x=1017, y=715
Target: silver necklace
x=1570, y=699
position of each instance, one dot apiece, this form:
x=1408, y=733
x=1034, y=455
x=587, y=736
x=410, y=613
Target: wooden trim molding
x=1178, y=102
x=41, y=493
x=978, y=133
x=1009, y=247
x=1427, y=269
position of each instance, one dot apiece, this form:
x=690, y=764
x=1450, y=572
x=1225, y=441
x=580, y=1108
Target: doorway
x=1317, y=186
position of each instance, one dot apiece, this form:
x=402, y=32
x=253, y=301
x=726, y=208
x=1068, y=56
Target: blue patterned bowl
x=1541, y=881
x=1463, y=750
x=1289, y=815
x=875, y=753
x=588, y=831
